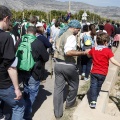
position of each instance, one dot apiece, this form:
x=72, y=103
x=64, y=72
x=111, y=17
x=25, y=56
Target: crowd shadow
x=116, y=101
x=46, y=74
x=42, y=96
x=7, y=110
x=81, y=96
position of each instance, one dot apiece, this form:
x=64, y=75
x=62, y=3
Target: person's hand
x=87, y=50
x=18, y=94
x=51, y=41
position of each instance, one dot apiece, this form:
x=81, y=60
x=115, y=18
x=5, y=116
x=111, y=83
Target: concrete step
x=84, y=112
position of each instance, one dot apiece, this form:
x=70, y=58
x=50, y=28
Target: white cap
x=88, y=23
x=39, y=24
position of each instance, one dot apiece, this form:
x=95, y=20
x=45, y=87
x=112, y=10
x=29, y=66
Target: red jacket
x=109, y=28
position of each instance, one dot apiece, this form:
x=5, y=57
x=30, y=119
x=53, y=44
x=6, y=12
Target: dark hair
x=101, y=27
x=102, y=38
x=57, y=24
x=4, y=12
x=93, y=30
x=85, y=28
x=31, y=29
x=108, y=20
x=91, y=27
x=113, y=22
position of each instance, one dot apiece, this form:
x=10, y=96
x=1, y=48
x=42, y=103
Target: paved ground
x=43, y=107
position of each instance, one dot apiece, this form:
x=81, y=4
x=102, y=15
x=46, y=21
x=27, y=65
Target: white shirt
x=13, y=39
x=55, y=33
x=70, y=44
x=52, y=29
x=14, y=64
x=102, y=31
x=54, y=36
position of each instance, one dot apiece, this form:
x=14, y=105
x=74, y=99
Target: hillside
x=47, y=5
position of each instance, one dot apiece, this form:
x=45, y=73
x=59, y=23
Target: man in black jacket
x=31, y=79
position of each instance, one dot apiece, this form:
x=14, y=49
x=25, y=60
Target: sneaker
x=93, y=104
x=5, y=117
x=82, y=76
x=86, y=79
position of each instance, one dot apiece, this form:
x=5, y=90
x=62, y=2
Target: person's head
x=31, y=30
x=85, y=28
x=108, y=20
x=102, y=38
x=40, y=28
x=75, y=26
x=5, y=16
x=101, y=27
x=53, y=21
x=57, y=24
x=92, y=29
x=33, y=20
x=113, y=22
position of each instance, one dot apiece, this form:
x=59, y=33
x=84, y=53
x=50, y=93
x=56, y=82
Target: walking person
x=40, y=36
x=54, y=34
x=2, y=103
x=101, y=55
x=9, y=87
x=65, y=67
x=31, y=77
x=110, y=30
x=117, y=36
x=88, y=40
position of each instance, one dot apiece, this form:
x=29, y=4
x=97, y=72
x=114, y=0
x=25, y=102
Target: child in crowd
x=101, y=56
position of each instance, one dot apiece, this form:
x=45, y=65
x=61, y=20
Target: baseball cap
x=39, y=24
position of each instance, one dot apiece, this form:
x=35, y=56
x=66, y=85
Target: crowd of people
x=24, y=52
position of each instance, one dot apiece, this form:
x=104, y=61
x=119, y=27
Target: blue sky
x=99, y=2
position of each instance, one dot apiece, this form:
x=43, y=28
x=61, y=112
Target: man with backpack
x=31, y=55
x=9, y=87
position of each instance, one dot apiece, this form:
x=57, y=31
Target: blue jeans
x=86, y=65
x=95, y=85
x=31, y=89
x=8, y=95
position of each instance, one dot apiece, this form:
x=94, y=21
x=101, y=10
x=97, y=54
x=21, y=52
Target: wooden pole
x=50, y=16
x=23, y=15
x=69, y=5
